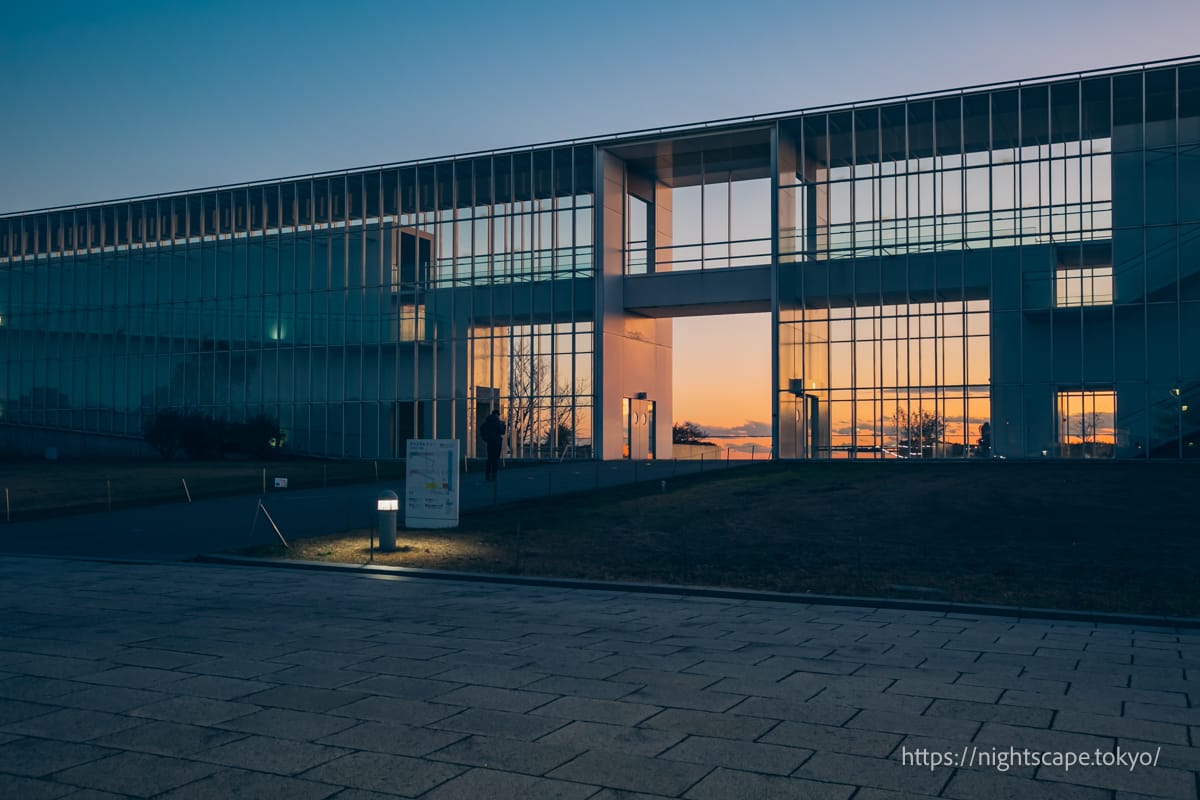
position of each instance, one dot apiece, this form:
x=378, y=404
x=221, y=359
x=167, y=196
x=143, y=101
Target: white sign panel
x=431, y=485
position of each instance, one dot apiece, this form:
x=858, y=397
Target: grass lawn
x=1084, y=535
x=41, y=488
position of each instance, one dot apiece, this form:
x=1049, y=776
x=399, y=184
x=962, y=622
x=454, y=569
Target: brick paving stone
x=237, y=784
x=884, y=701
x=988, y=712
x=913, y=673
x=394, y=709
x=775, y=708
x=728, y=784
x=37, y=758
x=621, y=794
x=871, y=793
x=992, y=785
x=362, y=794
x=267, y=754
x=675, y=661
x=878, y=772
x=380, y=772
x=946, y=691
x=499, y=723
x=590, y=710
x=218, y=687
x=659, y=678
x=321, y=677
x=1087, y=703
x=635, y=773
x=38, y=689
x=168, y=738
x=16, y=710
x=485, y=676
x=93, y=794
x=304, y=698
x=825, y=738
x=32, y=789
x=72, y=725
x=383, y=737
x=405, y=687
x=513, y=755
x=495, y=698
x=615, y=738
x=705, y=723
x=583, y=687
x=1168, y=755
x=809, y=684
x=1158, y=782
x=234, y=667
x=134, y=677
x=1164, y=732
x=751, y=672
x=479, y=783
x=994, y=734
x=137, y=774
x=754, y=756
x=999, y=680
x=1157, y=713
x=893, y=722
x=284, y=723
x=194, y=710
x=695, y=699
x=159, y=659
x=113, y=699
x=408, y=667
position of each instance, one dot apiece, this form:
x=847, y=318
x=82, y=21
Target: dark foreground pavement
x=182, y=530
x=198, y=681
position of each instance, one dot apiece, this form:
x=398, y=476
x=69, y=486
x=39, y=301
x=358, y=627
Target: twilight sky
x=123, y=98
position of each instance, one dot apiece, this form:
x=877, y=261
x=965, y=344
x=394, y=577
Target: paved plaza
x=186, y=680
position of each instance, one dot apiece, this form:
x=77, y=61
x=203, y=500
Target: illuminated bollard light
x=387, y=506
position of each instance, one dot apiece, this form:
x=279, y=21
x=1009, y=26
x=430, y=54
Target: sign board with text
x=431, y=483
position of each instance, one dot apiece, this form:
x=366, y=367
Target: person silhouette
x=492, y=431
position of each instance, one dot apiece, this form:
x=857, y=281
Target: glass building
x=1007, y=270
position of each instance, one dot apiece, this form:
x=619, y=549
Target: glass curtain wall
x=1048, y=233
x=342, y=305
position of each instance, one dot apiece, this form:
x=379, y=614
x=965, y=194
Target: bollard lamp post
x=387, y=507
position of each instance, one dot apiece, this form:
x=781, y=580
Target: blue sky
x=106, y=100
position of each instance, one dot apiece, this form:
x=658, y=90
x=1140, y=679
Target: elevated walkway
x=695, y=293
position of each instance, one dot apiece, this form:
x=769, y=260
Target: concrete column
x=633, y=353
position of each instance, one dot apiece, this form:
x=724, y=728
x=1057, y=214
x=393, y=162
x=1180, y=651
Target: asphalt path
x=183, y=530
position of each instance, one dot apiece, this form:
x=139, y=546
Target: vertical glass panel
x=1087, y=424
x=543, y=177
x=1160, y=107
x=866, y=136
x=948, y=125
x=583, y=169
x=563, y=172
x=1127, y=112
x=1064, y=112
x=1035, y=115
x=1006, y=119
x=522, y=176
x=407, y=190
x=816, y=146
x=503, y=178
x=1096, y=111
x=976, y=123
x=1189, y=104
